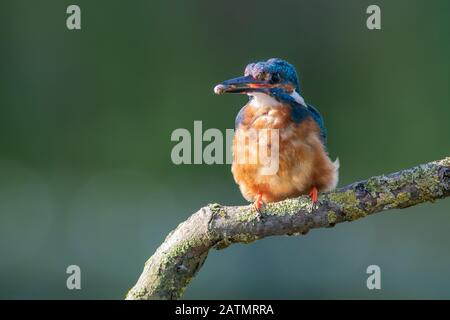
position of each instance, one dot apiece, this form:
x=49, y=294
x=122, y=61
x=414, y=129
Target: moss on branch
x=176, y=262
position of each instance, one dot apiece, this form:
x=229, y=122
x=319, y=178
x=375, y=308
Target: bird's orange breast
x=302, y=159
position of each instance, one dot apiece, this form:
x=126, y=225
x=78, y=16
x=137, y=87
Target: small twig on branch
x=167, y=273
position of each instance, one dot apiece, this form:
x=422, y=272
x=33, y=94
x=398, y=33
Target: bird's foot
x=259, y=204
x=314, y=194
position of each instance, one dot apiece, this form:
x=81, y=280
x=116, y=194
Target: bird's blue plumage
x=319, y=120
x=275, y=65
x=301, y=112
x=284, y=69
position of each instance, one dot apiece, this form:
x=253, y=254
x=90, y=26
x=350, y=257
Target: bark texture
x=167, y=273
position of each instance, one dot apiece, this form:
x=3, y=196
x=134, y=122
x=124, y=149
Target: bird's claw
x=259, y=205
x=314, y=194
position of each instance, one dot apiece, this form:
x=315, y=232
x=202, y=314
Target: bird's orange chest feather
x=294, y=138
x=298, y=145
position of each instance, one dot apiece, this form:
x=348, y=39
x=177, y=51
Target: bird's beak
x=244, y=84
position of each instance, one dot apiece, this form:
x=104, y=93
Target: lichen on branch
x=176, y=262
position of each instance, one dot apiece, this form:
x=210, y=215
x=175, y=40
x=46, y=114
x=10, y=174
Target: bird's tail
x=336, y=163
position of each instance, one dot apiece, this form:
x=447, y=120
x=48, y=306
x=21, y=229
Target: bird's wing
x=319, y=120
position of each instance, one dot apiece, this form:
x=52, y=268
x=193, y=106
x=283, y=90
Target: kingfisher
x=275, y=103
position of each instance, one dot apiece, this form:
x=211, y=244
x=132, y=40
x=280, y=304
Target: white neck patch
x=298, y=98
x=261, y=99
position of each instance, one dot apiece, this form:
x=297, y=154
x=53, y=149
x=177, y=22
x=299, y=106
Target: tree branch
x=177, y=260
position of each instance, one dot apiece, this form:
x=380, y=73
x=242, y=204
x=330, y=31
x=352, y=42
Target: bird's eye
x=275, y=78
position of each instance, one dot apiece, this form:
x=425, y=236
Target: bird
x=275, y=103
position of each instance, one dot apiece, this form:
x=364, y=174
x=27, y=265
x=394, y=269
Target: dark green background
x=86, y=117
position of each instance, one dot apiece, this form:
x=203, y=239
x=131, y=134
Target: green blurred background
x=86, y=117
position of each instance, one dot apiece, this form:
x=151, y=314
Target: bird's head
x=274, y=77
